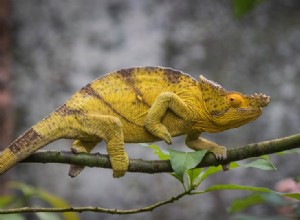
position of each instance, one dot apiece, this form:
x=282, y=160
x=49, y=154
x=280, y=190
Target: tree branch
x=97, y=160
x=160, y=166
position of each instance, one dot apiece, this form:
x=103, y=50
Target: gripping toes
x=220, y=152
x=165, y=135
x=159, y=130
x=119, y=165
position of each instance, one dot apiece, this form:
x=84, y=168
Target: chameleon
x=139, y=105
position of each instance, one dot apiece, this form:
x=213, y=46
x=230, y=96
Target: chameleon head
x=227, y=109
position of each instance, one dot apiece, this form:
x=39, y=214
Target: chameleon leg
x=109, y=129
x=194, y=142
x=163, y=102
x=80, y=146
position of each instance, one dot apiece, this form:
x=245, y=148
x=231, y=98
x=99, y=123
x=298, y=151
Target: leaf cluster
x=185, y=169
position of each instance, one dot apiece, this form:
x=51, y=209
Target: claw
x=119, y=164
x=167, y=138
x=220, y=152
x=118, y=174
x=226, y=166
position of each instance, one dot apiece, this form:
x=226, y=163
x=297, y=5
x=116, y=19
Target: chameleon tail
x=39, y=135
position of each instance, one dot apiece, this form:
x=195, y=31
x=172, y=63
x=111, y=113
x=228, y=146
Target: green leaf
x=265, y=157
x=52, y=200
x=247, y=188
x=292, y=151
x=209, y=171
x=24, y=188
x=261, y=164
x=162, y=155
x=57, y=202
x=250, y=217
x=12, y=217
x=212, y=170
x=192, y=175
x=253, y=199
x=237, y=187
x=292, y=195
x=183, y=161
x=234, y=165
x=6, y=200
x=242, y=7
x=179, y=178
x=239, y=205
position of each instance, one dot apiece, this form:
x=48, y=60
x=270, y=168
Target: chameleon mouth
x=249, y=110
x=244, y=111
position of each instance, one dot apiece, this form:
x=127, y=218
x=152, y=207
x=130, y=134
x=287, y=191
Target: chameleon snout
x=260, y=100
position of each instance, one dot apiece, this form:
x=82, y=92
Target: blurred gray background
x=59, y=46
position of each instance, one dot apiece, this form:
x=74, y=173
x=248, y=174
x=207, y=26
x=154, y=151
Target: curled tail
x=39, y=135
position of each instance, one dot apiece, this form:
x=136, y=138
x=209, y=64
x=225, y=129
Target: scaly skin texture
x=140, y=104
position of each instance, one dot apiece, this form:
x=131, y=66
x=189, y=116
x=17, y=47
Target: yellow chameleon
x=139, y=104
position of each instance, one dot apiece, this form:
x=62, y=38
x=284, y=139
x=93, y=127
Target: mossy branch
x=160, y=166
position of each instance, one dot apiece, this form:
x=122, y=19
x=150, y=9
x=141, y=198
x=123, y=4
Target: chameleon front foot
x=165, y=135
x=159, y=130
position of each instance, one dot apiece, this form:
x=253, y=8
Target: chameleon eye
x=235, y=100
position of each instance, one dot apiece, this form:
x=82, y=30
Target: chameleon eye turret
x=235, y=100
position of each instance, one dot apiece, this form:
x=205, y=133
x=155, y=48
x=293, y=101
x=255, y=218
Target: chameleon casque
x=139, y=104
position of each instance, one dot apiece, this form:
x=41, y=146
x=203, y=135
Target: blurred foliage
x=242, y=7
x=184, y=163
x=28, y=196
x=284, y=208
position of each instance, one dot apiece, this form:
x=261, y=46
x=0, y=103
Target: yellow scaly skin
x=140, y=104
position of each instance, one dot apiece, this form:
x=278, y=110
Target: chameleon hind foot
x=77, y=148
x=220, y=152
x=194, y=142
x=119, y=165
x=118, y=159
x=159, y=130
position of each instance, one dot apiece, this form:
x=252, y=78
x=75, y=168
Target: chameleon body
x=139, y=104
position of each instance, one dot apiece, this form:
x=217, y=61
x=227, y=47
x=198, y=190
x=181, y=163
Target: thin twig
x=95, y=209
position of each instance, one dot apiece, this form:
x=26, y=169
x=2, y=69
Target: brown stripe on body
x=90, y=91
x=64, y=111
x=172, y=76
x=176, y=76
x=126, y=75
x=28, y=138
